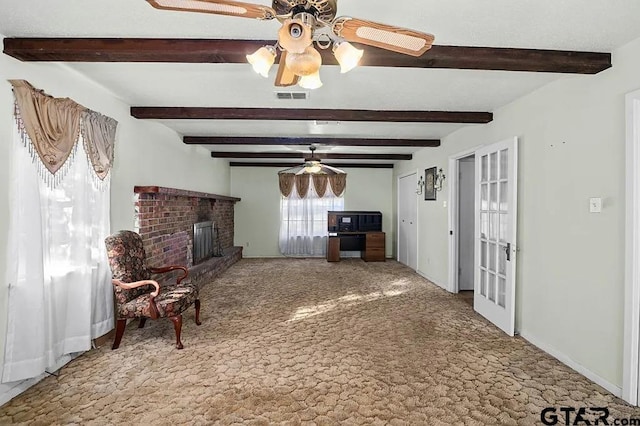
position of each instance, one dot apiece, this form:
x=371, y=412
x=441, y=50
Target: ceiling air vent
x=292, y=95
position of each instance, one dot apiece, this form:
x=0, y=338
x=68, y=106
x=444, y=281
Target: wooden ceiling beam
x=306, y=156
x=338, y=165
x=258, y=140
x=206, y=113
x=234, y=51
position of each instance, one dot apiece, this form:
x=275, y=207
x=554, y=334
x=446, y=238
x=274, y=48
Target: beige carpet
x=310, y=342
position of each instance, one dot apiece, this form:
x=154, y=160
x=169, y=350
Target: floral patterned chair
x=137, y=295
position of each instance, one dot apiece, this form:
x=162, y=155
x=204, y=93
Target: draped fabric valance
x=286, y=183
x=50, y=127
x=99, y=134
x=52, y=124
x=301, y=182
x=338, y=183
x=320, y=184
x=302, y=185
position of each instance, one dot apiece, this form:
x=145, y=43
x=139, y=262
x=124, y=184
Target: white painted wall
x=146, y=153
x=257, y=216
x=570, y=280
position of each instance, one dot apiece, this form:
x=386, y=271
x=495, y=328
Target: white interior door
x=495, y=241
x=412, y=227
x=407, y=223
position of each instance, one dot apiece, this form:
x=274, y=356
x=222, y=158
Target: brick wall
x=165, y=218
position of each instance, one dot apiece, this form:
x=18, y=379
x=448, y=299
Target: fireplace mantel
x=181, y=193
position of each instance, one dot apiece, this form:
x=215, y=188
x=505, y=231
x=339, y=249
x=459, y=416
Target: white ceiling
x=584, y=25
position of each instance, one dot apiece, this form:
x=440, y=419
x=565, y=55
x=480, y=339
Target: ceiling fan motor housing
x=322, y=10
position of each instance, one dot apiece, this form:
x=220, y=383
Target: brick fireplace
x=164, y=218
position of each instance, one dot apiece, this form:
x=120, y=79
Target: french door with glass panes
x=495, y=240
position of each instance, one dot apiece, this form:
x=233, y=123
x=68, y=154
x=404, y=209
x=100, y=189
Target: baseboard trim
x=423, y=275
x=615, y=390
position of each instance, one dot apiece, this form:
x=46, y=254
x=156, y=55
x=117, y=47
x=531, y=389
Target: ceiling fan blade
x=285, y=77
x=217, y=7
x=387, y=37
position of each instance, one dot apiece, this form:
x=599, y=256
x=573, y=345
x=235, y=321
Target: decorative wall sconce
x=420, y=186
x=433, y=179
x=440, y=177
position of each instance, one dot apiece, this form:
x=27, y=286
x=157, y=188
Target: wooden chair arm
x=153, y=309
x=129, y=286
x=164, y=269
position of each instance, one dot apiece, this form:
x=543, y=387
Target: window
x=60, y=294
x=303, y=222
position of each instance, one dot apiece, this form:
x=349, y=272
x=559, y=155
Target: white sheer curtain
x=60, y=294
x=303, y=222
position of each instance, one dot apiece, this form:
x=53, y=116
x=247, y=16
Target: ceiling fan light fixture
x=295, y=35
x=305, y=23
x=312, y=167
x=305, y=63
x=348, y=56
x=262, y=60
x=311, y=81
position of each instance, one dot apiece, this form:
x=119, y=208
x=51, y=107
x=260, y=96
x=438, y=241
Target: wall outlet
x=595, y=205
x=246, y=244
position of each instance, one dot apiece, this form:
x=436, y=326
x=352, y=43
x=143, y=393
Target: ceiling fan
x=313, y=166
x=303, y=23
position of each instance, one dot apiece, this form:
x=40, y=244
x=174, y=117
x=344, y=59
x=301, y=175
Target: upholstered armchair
x=137, y=295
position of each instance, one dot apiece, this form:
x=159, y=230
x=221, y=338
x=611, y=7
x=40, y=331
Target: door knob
x=507, y=249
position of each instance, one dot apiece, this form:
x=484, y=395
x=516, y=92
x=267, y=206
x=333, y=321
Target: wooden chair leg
x=197, y=303
x=177, y=325
x=120, y=326
x=142, y=321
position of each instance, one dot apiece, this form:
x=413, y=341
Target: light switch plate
x=595, y=205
